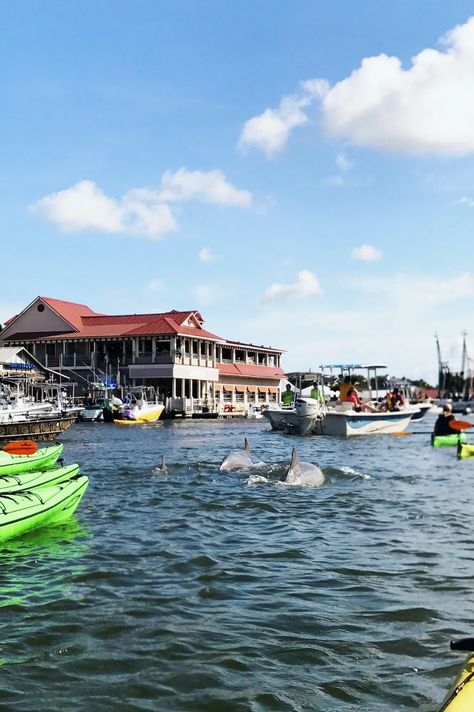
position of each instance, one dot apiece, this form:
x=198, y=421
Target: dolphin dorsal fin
x=246, y=446
x=162, y=466
x=294, y=458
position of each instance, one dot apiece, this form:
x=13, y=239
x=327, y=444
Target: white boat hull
x=348, y=424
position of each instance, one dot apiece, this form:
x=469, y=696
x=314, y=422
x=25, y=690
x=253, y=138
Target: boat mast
x=442, y=369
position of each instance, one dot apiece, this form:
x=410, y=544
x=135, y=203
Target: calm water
x=193, y=590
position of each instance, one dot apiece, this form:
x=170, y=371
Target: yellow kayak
x=465, y=451
x=461, y=695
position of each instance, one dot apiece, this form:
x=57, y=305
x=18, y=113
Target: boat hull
x=23, y=511
x=349, y=424
x=39, y=429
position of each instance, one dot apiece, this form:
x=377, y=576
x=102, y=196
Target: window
x=226, y=354
x=261, y=359
x=203, y=348
x=50, y=349
x=195, y=347
x=240, y=355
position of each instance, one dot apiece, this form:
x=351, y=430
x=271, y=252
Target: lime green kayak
x=452, y=439
x=23, y=511
x=42, y=459
x=37, y=479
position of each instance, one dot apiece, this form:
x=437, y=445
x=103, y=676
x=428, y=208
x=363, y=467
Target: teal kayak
x=452, y=439
x=23, y=511
x=42, y=459
x=37, y=479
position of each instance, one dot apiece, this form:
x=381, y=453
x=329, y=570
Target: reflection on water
x=190, y=590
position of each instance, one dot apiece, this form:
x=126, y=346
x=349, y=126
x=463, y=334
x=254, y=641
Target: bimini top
x=351, y=366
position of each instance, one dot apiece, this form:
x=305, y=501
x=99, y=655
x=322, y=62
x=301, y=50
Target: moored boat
x=23, y=511
x=42, y=459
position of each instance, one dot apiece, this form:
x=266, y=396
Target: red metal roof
x=233, y=369
x=70, y=311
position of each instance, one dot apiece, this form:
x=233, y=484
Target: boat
x=37, y=479
x=140, y=407
x=309, y=416
x=42, y=459
x=38, y=429
x=301, y=418
x=21, y=512
x=460, y=698
x=450, y=440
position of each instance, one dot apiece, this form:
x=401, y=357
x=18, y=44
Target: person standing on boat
x=442, y=424
x=316, y=392
x=287, y=397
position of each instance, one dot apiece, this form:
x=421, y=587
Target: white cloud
x=427, y=108
x=210, y=187
x=207, y=255
x=412, y=306
x=269, y=132
x=366, y=253
x=465, y=201
x=141, y=211
x=306, y=285
x=86, y=207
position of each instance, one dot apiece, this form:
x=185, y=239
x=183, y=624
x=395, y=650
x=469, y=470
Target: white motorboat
x=309, y=416
x=301, y=418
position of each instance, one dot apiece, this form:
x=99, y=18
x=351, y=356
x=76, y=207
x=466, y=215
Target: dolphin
x=302, y=473
x=237, y=460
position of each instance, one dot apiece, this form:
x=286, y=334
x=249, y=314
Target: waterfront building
x=171, y=351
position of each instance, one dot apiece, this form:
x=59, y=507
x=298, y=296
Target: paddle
x=459, y=424
x=20, y=447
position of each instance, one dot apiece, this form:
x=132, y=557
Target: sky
x=302, y=173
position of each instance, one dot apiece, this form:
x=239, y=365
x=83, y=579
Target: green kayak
x=23, y=511
x=42, y=459
x=448, y=440
x=37, y=479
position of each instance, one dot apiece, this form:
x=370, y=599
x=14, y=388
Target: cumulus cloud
x=269, y=131
x=210, y=187
x=207, y=255
x=206, y=293
x=140, y=211
x=427, y=108
x=306, y=285
x=366, y=253
x=469, y=202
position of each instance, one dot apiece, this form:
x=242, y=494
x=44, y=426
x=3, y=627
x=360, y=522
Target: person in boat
x=287, y=397
x=358, y=405
x=345, y=387
x=316, y=392
x=395, y=400
x=442, y=424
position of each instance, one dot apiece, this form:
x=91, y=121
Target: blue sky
x=302, y=173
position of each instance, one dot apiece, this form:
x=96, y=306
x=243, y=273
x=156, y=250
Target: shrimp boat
x=308, y=416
